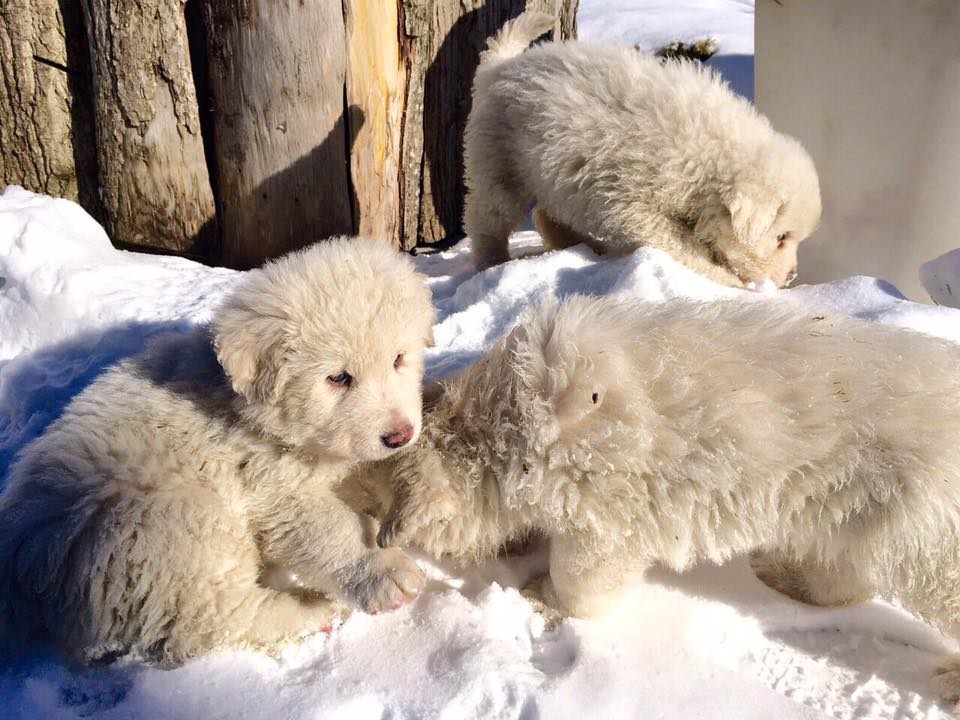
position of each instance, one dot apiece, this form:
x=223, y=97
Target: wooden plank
x=277, y=71
x=442, y=48
x=46, y=124
x=153, y=175
x=375, y=94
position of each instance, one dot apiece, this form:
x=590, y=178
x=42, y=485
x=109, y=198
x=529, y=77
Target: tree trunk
x=47, y=143
x=153, y=174
x=281, y=131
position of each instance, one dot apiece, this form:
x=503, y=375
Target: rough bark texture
x=442, y=44
x=46, y=129
x=280, y=129
x=237, y=130
x=153, y=174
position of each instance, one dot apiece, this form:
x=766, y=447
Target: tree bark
x=153, y=174
x=47, y=143
x=281, y=130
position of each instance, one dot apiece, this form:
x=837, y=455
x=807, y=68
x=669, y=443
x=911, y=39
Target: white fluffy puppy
x=146, y=516
x=634, y=434
x=619, y=151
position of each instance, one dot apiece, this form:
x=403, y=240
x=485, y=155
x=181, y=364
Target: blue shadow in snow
x=736, y=70
x=36, y=387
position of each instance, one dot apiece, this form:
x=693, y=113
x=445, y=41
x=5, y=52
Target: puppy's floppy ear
x=250, y=347
x=753, y=206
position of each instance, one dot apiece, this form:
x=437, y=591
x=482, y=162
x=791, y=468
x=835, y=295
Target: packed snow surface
x=711, y=643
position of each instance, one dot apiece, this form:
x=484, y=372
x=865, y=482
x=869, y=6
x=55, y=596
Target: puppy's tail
x=515, y=36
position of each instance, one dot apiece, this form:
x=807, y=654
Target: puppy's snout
x=791, y=276
x=398, y=437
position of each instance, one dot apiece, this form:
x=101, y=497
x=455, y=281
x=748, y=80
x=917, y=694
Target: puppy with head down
x=175, y=495
x=619, y=151
x=634, y=434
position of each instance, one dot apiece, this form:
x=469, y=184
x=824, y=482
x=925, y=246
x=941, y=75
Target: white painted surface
x=873, y=91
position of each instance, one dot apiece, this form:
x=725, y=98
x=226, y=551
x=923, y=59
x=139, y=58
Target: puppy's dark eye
x=398, y=361
x=345, y=379
x=782, y=239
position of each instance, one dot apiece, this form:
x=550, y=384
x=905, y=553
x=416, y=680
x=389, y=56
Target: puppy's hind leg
x=250, y=616
x=556, y=235
x=585, y=580
x=927, y=583
x=810, y=582
x=489, y=218
x=281, y=616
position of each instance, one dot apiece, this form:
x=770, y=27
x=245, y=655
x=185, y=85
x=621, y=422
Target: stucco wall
x=873, y=91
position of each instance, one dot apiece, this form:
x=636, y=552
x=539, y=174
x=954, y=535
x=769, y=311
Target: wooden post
x=320, y=117
x=376, y=86
x=47, y=143
x=281, y=130
x=153, y=174
x=334, y=117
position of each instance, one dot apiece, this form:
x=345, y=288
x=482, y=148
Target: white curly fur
x=154, y=513
x=619, y=151
x=634, y=434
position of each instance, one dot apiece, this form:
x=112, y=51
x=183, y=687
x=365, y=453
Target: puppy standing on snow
x=619, y=151
x=147, y=516
x=634, y=434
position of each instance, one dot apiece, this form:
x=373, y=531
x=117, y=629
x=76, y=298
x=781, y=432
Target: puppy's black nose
x=399, y=437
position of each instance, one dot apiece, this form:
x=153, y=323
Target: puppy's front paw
x=540, y=594
x=384, y=580
x=410, y=517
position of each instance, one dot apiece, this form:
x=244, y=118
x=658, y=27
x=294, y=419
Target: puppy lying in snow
x=151, y=515
x=619, y=151
x=634, y=434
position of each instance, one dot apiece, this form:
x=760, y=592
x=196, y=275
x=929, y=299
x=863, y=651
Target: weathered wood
x=376, y=81
x=46, y=130
x=280, y=129
x=442, y=44
x=320, y=117
x=153, y=175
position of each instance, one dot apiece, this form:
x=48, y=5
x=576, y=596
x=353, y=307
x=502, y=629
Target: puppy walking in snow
x=634, y=434
x=154, y=513
x=619, y=151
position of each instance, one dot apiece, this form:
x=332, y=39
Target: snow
x=652, y=24
x=710, y=643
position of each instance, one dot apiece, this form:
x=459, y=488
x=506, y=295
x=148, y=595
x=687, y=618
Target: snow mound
x=713, y=642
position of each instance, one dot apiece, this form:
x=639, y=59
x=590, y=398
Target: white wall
x=872, y=89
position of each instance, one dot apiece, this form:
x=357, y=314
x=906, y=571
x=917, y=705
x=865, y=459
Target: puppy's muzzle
x=399, y=437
